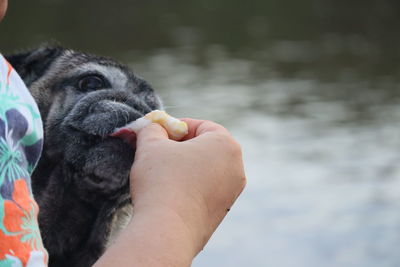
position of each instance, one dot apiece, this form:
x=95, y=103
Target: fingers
x=151, y=133
x=199, y=127
x=196, y=128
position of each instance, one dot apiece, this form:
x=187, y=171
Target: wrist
x=153, y=238
x=188, y=211
x=164, y=233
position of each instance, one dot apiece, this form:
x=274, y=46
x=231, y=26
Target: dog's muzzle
x=100, y=113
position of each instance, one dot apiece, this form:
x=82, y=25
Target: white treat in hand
x=176, y=128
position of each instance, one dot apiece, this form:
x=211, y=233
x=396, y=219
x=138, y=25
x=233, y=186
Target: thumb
x=151, y=133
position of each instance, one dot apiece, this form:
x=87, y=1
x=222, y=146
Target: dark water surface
x=309, y=88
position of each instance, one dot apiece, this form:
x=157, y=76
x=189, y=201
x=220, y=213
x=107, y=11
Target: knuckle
x=229, y=144
x=235, y=148
x=243, y=182
x=211, y=126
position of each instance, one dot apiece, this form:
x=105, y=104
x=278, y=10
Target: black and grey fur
x=81, y=182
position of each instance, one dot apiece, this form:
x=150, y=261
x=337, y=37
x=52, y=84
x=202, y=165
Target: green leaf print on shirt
x=10, y=160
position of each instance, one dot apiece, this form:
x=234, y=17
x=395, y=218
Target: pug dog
x=81, y=182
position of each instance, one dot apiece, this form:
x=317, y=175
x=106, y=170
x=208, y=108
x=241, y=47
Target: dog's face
x=82, y=99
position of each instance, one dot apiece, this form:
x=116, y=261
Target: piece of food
x=176, y=128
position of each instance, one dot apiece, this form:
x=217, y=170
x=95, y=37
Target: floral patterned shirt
x=21, y=139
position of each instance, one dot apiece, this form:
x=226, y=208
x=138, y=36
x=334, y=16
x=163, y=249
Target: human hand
x=197, y=179
x=181, y=191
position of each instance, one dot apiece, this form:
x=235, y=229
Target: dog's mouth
x=125, y=134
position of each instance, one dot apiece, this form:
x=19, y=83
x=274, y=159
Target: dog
x=81, y=182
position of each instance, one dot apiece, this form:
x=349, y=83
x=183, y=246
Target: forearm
x=154, y=238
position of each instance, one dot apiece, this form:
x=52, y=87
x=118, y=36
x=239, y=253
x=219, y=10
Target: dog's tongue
x=126, y=134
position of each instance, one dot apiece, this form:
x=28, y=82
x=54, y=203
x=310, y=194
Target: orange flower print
x=20, y=222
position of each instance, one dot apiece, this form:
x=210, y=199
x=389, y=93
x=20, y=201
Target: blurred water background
x=309, y=88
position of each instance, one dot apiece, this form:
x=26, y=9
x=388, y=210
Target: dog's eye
x=90, y=83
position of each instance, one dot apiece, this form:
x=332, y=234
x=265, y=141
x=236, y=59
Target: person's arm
x=181, y=192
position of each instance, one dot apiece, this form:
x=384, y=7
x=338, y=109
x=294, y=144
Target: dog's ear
x=33, y=64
